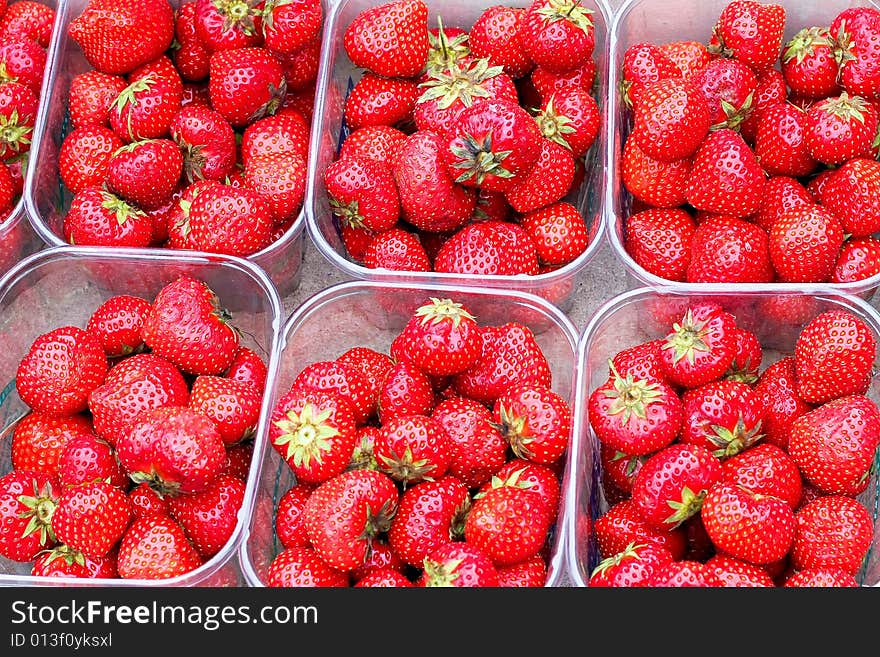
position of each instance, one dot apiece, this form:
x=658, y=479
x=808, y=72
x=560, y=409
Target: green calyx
x=443, y=309
x=735, y=115
x=631, y=397
x=276, y=97
x=456, y=83
x=268, y=13
x=805, y=42
x=161, y=487
x=687, y=338
x=689, y=505
x=439, y=574
x=363, y=457
x=67, y=553
x=846, y=107
x=12, y=133
x=39, y=508
x=127, y=98
x=405, y=469
x=570, y=10
x=512, y=480
x=305, y=435
x=239, y=15
x=349, y=213
x=122, y=210
x=631, y=551
x=554, y=126
x=516, y=431
x=5, y=75
x=443, y=52
x=478, y=160
x=731, y=442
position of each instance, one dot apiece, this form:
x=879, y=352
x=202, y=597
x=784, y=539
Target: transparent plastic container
x=369, y=314
x=662, y=21
x=641, y=314
x=336, y=77
x=47, y=199
x=62, y=286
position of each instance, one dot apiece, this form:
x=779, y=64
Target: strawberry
x=91, y=517
x=546, y=82
x=726, y=177
x=644, y=63
x=22, y=60
x=729, y=86
x=314, y=431
x=534, y=420
x=671, y=120
x=737, y=573
x=834, y=357
x=548, y=182
x=381, y=557
x=654, y=182
x=245, y=84
x=64, y=561
x=344, y=514
x=383, y=577
x=558, y=35
x=146, y=107
x=281, y=181
x=279, y=134
x=781, y=194
x=133, y=385
x=672, y=483
x=809, y=63
x=751, y=32
x=231, y=220
x=376, y=100
x=373, y=365
x=174, y=448
x=234, y=406
x=27, y=504
x=777, y=389
x=631, y=567
x=377, y=142
x=302, y=567
x=238, y=459
x=209, y=518
x=446, y=46
x=496, y=248
x=689, y=56
x=558, y=231
x=289, y=523
x=338, y=378
x=859, y=260
x=362, y=193
x=412, y=448
x=840, y=128
x=527, y=475
x=429, y=514
x=851, y=195
x=145, y=173
x=458, y=564
x=495, y=35
x=38, y=440
x=156, y=547
x=18, y=110
x=722, y=416
x=59, y=370
x=396, y=249
x=623, y=524
x=833, y=531
x=686, y=573
x=248, y=366
x=188, y=327
x=442, y=338
x=100, y=218
x=780, y=144
x=118, y=36
x=86, y=459
x=700, y=347
x=478, y=449
x=857, y=32
x=570, y=117
x=769, y=92
x=192, y=58
x=618, y=470
x=727, y=249
x=227, y=25
x=834, y=444
x=747, y=361
x=804, y=244
x=290, y=25
x=117, y=322
x=821, y=577
x=389, y=39
x=207, y=142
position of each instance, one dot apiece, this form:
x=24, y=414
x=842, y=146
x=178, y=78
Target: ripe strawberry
x=281, y=181
x=117, y=36
x=377, y=142
x=659, y=240
x=395, y=249
x=558, y=231
x=389, y=39
x=23, y=60
x=686, y=573
x=548, y=182
x=289, y=523
x=234, y=406
x=145, y=173
x=654, y=182
x=302, y=567
x=781, y=194
x=546, y=82
x=146, y=107
x=223, y=25
x=534, y=420
x=780, y=142
x=245, y=84
x=857, y=32
x=511, y=355
x=850, y=194
x=840, y=128
x=777, y=389
x=86, y=459
x=91, y=517
x=558, y=35
x=442, y=338
x=833, y=531
x=623, y=524
x=314, y=431
x=478, y=449
x=643, y=63
x=362, y=193
x=100, y=218
x=174, y=448
x=495, y=35
x=751, y=32
x=821, y=577
x=344, y=514
x=458, y=564
x=429, y=514
x=188, y=327
x=670, y=486
x=381, y=557
x=834, y=357
x=699, y=348
x=747, y=361
x=38, y=440
x=383, y=577
x=248, y=366
x=59, y=370
x=279, y=134
x=533, y=477
x=771, y=91
x=729, y=86
x=689, y=56
x=27, y=504
x=809, y=63
x=726, y=177
x=570, y=117
x=722, y=416
x=632, y=567
x=156, y=547
x=209, y=518
x=671, y=120
x=238, y=460
x=117, y=322
x=726, y=249
x=495, y=248
x=834, y=444
x=859, y=260
x=412, y=448
x=737, y=573
x=344, y=380
x=206, y=141
x=373, y=365
x=64, y=561
x=192, y=58
x=289, y=26
x=804, y=245
x=231, y=220
x=376, y=100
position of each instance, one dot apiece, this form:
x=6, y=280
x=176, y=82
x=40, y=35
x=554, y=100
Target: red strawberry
x=821, y=577
x=18, y=110
x=86, y=459
x=559, y=232
x=363, y=193
x=535, y=421
x=478, y=449
x=558, y=34
x=389, y=39
x=531, y=573
x=804, y=244
x=643, y=63
x=279, y=134
x=174, y=448
x=117, y=36
x=729, y=86
x=24, y=61
x=859, y=260
x=671, y=485
x=442, y=338
x=145, y=173
x=533, y=477
x=28, y=19
x=766, y=469
x=751, y=32
x=100, y=218
x=671, y=120
x=231, y=220
x=497, y=248
x=686, y=573
x=192, y=58
x=289, y=522
x=810, y=65
x=381, y=557
x=458, y=564
x=281, y=181
x=689, y=56
x=60, y=370
x=288, y=26
x=156, y=547
x=833, y=531
x=85, y=155
x=781, y=194
x=396, y=249
x=373, y=365
x=344, y=514
x=245, y=84
x=91, y=517
x=780, y=144
x=737, y=573
x=64, y=561
x=722, y=416
x=146, y=107
x=834, y=444
x=546, y=82
x=700, y=347
x=777, y=389
x=659, y=240
x=857, y=32
x=377, y=142
x=302, y=567
x=412, y=448
x=623, y=524
x=38, y=441
x=654, y=182
x=570, y=117
x=496, y=35
x=834, y=357
x=117, y=322
x=383, y=577
x=206, y=140
x=549, y=180
x=90, y=95
x=840, y=128
x=851, y=195
x=238, y=460
x=771, y=91
x=344, y=380
x=209, y=518
x=376, y=100
x=727, y=249
x=188, y=327
x=223, y=25
x=248, y=366
x=747, y=361
x=632, y=567
x=27, y=503
x=234, y=406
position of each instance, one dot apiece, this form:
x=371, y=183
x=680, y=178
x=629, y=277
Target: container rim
x=158, y=257
x=355, y=270
x=308, y=307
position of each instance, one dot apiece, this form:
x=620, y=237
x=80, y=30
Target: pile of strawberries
x=436, y=464
x=717, y=472
x=132, y=458
x=754, y=160
x=465, y=147
x=194, y=134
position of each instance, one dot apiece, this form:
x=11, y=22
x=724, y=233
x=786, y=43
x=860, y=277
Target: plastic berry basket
x=371, y=314
x=62, y=286
x=47, y=199
x=336, y=77
x=663, y=21
x=776, y=316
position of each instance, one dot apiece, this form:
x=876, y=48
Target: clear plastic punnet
x=47, y=200
x=336, y=77
x=371, y=314
x=62, y=286
x=642, y=314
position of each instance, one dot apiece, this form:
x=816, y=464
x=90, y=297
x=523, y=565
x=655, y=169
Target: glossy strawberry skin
x=722, y=416
x=833, y=531
x=38, y=441
x=91, y=517
x=686, y=366
x=156, y=547
x=302, y=567
x=390, y=39
x=630, y=568
x=804, y=245
x=209, y=518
